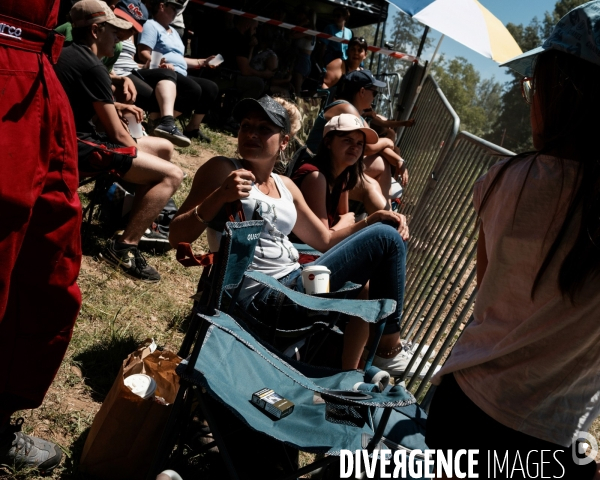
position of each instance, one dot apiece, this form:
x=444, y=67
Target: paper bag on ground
x=127, y=429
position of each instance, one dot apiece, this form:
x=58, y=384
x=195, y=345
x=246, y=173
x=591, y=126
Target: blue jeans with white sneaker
x=375, y=254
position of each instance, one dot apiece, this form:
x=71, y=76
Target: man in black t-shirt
x=145, y=163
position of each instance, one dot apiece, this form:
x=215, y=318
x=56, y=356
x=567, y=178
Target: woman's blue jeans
x=376, y=254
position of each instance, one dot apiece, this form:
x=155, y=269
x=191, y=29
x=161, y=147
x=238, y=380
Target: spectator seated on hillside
x=200, y=93
x=145, y=163
x=336, y=69
x=156, y=88
x=265, y=59
x=362, y=252
x=337, y=168
x=338, y=29
x=304, y=45
x=236, y=46
x=355, y=94
x=123, y=88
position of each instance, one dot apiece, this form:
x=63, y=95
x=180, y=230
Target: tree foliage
x=405, y=37
x=475, y=101
x=512, y=129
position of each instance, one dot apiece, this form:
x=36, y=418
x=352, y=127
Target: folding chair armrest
x=371, y=311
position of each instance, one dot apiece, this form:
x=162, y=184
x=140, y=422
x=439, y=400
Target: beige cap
x=89, y=12
x=346, y=122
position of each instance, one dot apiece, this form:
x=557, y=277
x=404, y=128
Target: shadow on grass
x=180, y=322
x=100, y=363
x=92, y=239
x=71, y=464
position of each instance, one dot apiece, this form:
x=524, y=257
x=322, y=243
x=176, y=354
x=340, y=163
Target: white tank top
x=274, y=255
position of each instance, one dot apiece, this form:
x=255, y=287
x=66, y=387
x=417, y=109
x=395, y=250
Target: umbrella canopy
x=466, y=21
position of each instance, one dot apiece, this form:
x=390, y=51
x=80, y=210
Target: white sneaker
x=395, y=189
x=396, y=366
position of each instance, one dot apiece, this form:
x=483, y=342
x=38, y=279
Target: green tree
x=367, y=32
x=405, y=37
x=472, y=99
x=512, y=129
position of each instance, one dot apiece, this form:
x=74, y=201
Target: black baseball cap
x=274, y=110
x=363, y=78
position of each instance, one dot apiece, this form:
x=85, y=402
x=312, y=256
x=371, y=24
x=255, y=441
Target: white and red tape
x=295, y=28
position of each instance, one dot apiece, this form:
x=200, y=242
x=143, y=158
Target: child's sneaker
x=130, y=261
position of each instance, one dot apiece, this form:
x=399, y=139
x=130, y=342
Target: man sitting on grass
x=146, y=163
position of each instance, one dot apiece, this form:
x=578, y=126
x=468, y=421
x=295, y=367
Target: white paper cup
x=155, y=59
x=140, y=384
x=218, y=60
x=315, y=279
x=135, y=128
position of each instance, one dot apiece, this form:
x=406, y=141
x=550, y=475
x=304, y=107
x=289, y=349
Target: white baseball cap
x=346, y=122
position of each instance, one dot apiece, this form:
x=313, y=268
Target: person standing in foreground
x=523, y=377
x=40, y=247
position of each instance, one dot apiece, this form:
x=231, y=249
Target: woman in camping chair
x=369, y=251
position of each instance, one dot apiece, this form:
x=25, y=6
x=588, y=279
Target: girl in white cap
x=326, y=179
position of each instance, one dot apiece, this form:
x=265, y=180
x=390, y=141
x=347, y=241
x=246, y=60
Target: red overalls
x=40, y=214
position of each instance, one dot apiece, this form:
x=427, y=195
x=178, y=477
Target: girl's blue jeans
x=376, y=254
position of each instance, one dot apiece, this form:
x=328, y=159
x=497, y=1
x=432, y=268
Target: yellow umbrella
x=465, y=21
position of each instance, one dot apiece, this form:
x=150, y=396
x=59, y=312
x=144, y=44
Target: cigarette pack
x=272, y=402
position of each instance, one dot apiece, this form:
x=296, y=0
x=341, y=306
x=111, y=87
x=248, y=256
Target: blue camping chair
x=333, y=410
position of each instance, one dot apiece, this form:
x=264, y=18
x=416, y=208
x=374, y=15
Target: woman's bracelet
x=366, y=221
x=198, y=217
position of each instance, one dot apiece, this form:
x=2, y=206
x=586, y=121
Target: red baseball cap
x=134, y=11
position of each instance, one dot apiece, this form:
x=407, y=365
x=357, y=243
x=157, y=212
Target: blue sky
x=515, y=11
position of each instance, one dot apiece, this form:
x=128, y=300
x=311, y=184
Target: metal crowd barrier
x=387, y=99
x=424, y=145
x=440, y=278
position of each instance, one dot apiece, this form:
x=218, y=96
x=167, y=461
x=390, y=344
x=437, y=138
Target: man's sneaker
x=197, y=134
x=24, y=451
x=153, y=239
x=130, y=261
x=396, y=366
x=169, y=131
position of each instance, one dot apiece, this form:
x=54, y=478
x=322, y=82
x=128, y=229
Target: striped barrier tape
x=295, y=28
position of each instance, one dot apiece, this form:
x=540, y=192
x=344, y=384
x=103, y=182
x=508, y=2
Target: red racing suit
x=40, y=213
